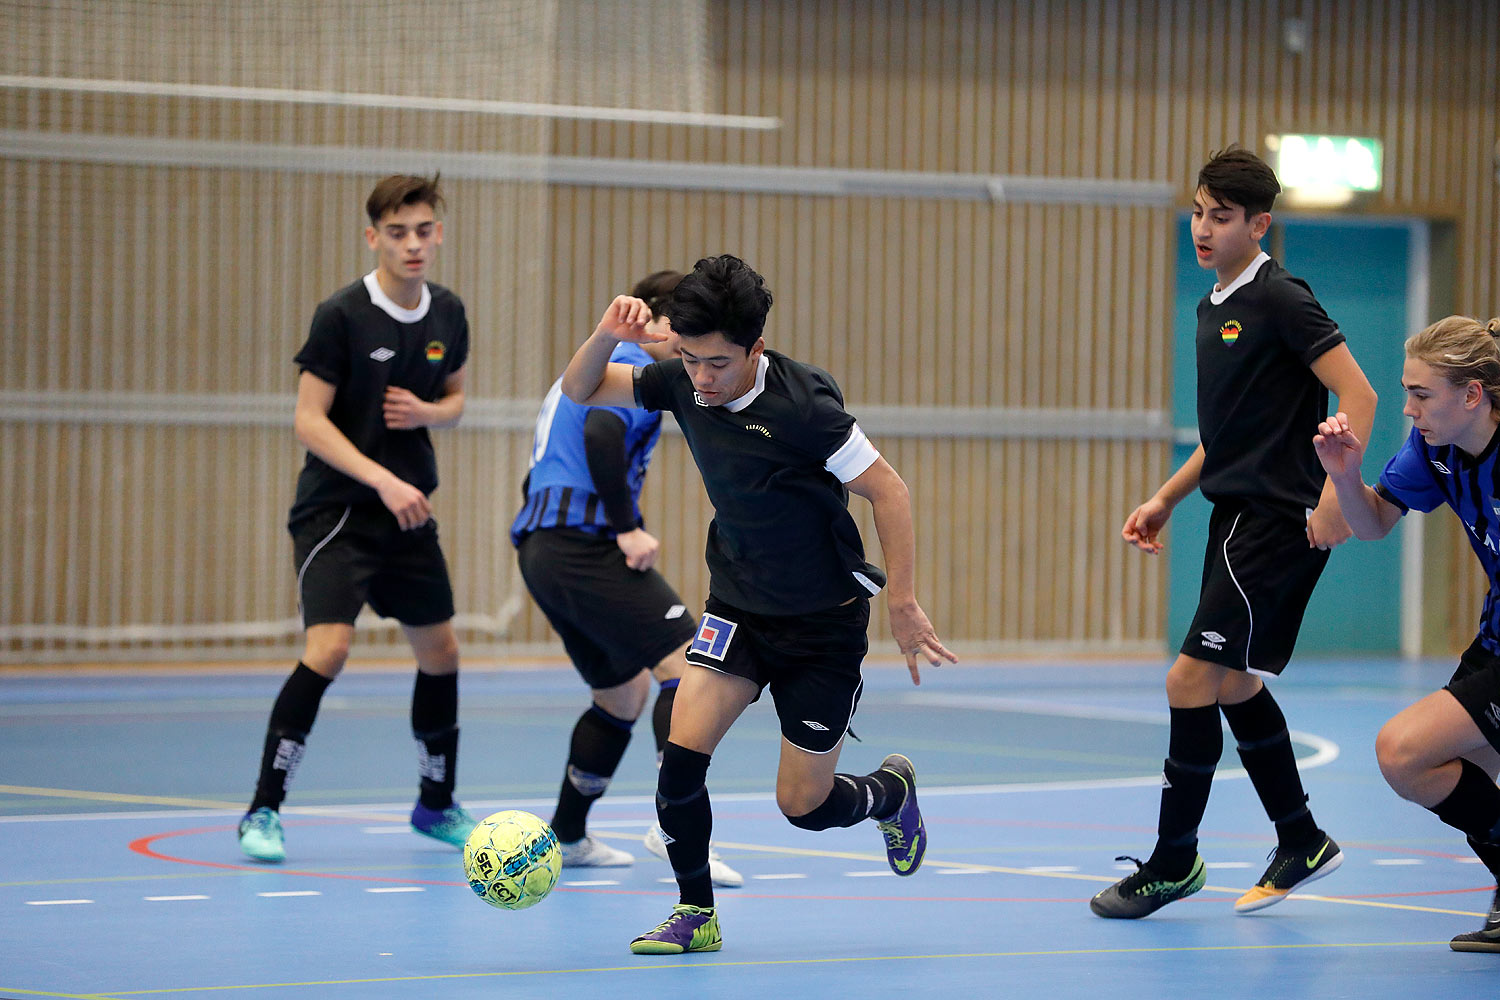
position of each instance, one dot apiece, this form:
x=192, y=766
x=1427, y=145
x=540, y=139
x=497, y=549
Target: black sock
x=661, y=715
x=687, y=820
x=1474, y=808
x=291, y=720
x=599, y=741
x=434, y=723
x=854, y=799
x=1193, y=750
x=1266, y=751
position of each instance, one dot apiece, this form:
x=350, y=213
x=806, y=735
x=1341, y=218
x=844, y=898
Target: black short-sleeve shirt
x=1259, y=403
x=360, y=342
x=781, y=541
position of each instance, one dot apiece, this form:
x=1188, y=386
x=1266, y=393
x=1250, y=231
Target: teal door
x=1360, y=272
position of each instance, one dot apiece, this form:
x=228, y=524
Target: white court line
x=1325, y=751
x=1393, y=862
x=869, y=874
x=1226, y=864
x=777, y=876
x=298, y=892
x=1052, y=868
x=171, y=899
x=56, y=902
x=397, y=888
x=597, y=881
x=962, y=871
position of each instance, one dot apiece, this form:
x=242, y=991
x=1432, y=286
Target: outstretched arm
x=1340, y=451
x=888, y=495
x=590, y=378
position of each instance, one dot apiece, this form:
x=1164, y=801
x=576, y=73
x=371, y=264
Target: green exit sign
x=1326, y=165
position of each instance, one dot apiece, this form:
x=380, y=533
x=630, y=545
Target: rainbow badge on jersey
x=1230, y=332
x=435, y=352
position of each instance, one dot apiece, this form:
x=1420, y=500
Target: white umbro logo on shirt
x=382, y=354
x=675, y=611
x=815, y=725
x=1213, y=640
x=1440, y=467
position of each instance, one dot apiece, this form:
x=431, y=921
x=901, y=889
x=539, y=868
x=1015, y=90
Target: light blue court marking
x=57, y=902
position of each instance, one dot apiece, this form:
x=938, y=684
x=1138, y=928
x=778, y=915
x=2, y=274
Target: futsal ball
x=512, y=860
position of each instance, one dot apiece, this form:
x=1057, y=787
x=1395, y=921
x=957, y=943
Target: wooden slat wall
x=182, y=280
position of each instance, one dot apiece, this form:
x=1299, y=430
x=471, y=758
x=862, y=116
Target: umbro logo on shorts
x=1213, y=640
x=712, y=640
x=382, y=354
x=815, y=725
x=675, y=611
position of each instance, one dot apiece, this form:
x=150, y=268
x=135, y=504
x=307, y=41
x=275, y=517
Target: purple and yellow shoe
x=689, y=928
x=905, y=834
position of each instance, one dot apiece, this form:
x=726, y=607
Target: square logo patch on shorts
x=713, y=637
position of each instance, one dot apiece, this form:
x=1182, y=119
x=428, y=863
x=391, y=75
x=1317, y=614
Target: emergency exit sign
x=1323, y=165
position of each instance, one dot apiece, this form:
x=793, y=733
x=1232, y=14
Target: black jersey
x=1259, y=403
x=361, y=342
x=774, y=463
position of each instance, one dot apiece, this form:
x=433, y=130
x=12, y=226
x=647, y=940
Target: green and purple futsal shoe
x=689, y=928
x=905, y=835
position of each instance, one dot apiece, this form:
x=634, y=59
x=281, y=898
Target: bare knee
x=800, y=798
x=1192, y=683
x=625, y=701
x=1398, y=749
x=327, y=652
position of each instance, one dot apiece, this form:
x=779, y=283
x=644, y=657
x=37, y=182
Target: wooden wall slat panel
x=176, y=280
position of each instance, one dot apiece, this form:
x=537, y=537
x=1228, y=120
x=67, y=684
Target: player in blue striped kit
x=1444, y=751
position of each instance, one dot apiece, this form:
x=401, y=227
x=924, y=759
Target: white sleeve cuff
x=853, y=457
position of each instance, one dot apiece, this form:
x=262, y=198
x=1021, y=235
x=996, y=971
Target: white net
x=189, y=179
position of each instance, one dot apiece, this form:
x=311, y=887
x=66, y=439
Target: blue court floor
x=120, y=875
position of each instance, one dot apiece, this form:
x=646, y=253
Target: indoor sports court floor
x=120, y=875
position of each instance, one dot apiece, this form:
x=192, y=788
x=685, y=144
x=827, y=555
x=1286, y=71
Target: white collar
x=1218, y=295
x=389, y=306
x=736, y=405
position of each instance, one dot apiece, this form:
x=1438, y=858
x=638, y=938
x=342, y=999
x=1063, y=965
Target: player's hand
x=1338, y=448
x=1144, y=525
x=640, y=548
x=403, y=410
x=914, y=635
x=626, y=320
x=409, y=504
x=1326, y=527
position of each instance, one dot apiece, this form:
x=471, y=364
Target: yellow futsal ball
x=512, y=860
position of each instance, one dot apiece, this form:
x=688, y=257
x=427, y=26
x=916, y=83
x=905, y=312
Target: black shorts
x=810, y=662
x=1258, y=576
x=1476, y=685
x=347, y=556
x=614, y=621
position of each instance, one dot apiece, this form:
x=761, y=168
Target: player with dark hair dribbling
x=789, y=586
x=590, y=564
